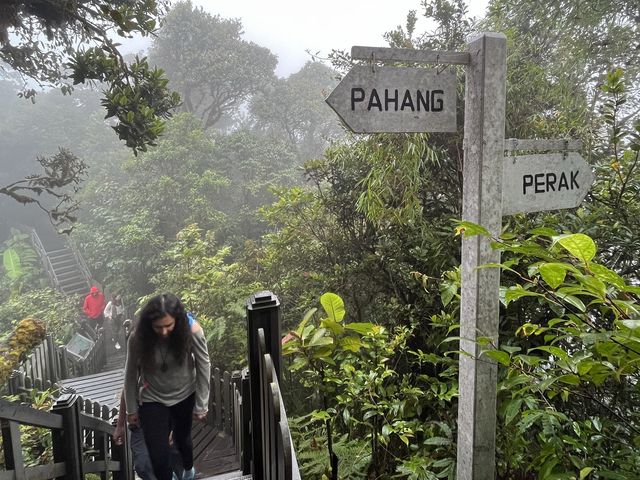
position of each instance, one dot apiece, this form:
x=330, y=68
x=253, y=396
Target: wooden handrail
x=277, y=444
x=72, y=430
x=42, y=253
x=47, y=364
x=272, y=455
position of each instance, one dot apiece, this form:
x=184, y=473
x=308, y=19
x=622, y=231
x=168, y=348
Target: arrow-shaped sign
x=389, y=99
x=533, y=183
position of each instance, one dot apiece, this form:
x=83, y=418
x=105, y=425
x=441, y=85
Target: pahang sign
x=389, y=99
x=535, y=183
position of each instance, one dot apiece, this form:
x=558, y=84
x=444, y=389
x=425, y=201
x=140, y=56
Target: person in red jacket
x=93, y=307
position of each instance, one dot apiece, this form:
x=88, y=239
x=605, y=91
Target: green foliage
x=568, y=393
x=293, y=108
x=198, y=271
x=556, y=56
x=57, y=311
x=311, y=451
x=254, y=164
x=43, y=41
x=52, y=190
x=354, y=233
x=66, y=25
x=137, y=95
x=372, y=386
x=37, y=446
x=11, y=263
x=26, y=335
x=21, y=263
x=209, y=63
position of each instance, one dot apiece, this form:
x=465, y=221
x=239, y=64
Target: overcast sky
x=290, y=27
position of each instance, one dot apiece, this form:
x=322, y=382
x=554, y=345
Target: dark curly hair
x=146, y=339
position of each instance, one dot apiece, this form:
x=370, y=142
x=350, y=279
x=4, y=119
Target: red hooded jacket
x=94, y=304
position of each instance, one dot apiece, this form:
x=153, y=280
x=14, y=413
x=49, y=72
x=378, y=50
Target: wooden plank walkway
x=237, y=475
x=100, y=387
x=214, y=453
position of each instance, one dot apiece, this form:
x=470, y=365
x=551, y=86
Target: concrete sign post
x=534, y=183
x=485, y=93
x=373, y=99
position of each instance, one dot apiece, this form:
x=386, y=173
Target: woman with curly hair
x=167, y=381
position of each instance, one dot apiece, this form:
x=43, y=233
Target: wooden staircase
x=68, y=272
x=246, y=430
x=215, y=455
x=64, y=265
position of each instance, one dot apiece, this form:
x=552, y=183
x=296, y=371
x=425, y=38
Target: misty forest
x=193, y=168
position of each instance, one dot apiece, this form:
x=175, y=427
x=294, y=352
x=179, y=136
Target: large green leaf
x=579, y=245
x=305, y=320
x=513, y=293
x=333, y=305
x=606, y=275
x=11, y=262
x=471, y=229
x=512, y=409
x=572, y=300
x=632, y=324
x=363, y=328
x=498, y=356
x=334, y=327
x=553, y=273
x=351, y=343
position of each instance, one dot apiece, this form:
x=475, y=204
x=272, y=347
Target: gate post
x=263, y=311
x=67, y=443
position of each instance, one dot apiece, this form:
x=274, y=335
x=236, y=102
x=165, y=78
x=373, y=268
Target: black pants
x=157, y=422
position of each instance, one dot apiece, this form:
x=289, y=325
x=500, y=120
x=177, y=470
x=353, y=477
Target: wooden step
x=237, y=475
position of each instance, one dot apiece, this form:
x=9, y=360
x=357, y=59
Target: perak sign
x=390, y=99
x=534, y=183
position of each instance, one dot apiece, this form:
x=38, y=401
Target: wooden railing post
x=12, y=448
x=217, y=398
x=246, y=458
x=51, y=359
x=236, y=380
x=226, y=402
x=67, y=442
x=64, y=367
x=121, y=454
x=14, y=382
x=263, y=312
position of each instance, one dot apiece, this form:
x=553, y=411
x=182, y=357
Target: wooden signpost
x=548, y=181
x=493, y=186
x=386, y=99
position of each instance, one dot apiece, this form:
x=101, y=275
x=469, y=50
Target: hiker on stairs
x=168, y=350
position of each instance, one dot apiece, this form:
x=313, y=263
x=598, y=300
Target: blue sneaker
x=189, y=474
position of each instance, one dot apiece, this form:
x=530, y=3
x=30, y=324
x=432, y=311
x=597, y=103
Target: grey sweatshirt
x=175, y=384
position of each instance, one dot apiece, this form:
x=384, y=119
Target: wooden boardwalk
x=102, y=387
x=215, y=456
